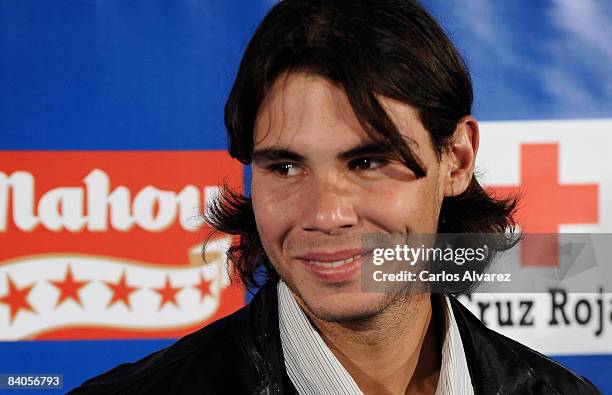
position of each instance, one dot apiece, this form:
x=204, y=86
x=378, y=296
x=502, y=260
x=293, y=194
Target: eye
x=367, y=163
x=285, y=169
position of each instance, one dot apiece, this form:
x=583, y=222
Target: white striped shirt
x=314, y=369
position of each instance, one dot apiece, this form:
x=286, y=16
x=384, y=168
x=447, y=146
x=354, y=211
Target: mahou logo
x=107, y=244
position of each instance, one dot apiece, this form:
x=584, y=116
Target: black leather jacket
x=242, y=354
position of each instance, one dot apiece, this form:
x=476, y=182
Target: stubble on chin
x=389, y=309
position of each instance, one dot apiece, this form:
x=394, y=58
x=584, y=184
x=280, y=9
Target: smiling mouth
x=334, y=264
x=337, y=267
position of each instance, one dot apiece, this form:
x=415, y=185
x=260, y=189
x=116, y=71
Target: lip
x=337, y=274
x=330, y=256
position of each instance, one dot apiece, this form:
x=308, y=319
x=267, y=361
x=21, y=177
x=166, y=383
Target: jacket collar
x=493, y=365
x=496, y=363
x=260, y=339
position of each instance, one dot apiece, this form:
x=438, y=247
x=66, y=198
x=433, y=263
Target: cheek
x=273, y=212
x=399, y=206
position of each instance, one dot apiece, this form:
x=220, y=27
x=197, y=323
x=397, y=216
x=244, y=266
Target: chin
x=344, y=307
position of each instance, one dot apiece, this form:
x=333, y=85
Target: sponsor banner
x=559, y=168
x=107, y=244
x=79, y=296
x=561, y=171
x=554, y=323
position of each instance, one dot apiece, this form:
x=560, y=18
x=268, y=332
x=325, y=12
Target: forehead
x=301, y=109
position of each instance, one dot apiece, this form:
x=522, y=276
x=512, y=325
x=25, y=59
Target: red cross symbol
x=546, y=203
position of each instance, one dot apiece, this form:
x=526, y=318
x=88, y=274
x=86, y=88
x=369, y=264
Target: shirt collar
x=314, y=369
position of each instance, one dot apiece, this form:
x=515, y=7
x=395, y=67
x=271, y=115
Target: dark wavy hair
x=392, y=48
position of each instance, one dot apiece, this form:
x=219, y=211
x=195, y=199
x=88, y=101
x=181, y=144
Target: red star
x=167, y=293
x=69, y=289
x=16, y=298
x=121, y=292
x=203, y=286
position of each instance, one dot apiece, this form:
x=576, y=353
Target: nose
x=328, y=209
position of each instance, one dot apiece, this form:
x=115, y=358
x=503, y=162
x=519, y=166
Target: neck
x=394, y=352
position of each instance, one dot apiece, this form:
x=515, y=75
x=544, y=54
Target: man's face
x=318, y=185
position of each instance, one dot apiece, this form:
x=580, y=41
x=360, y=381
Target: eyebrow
x=276, y=154
x=366, y=149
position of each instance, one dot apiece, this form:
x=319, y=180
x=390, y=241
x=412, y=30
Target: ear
x=460, y=157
